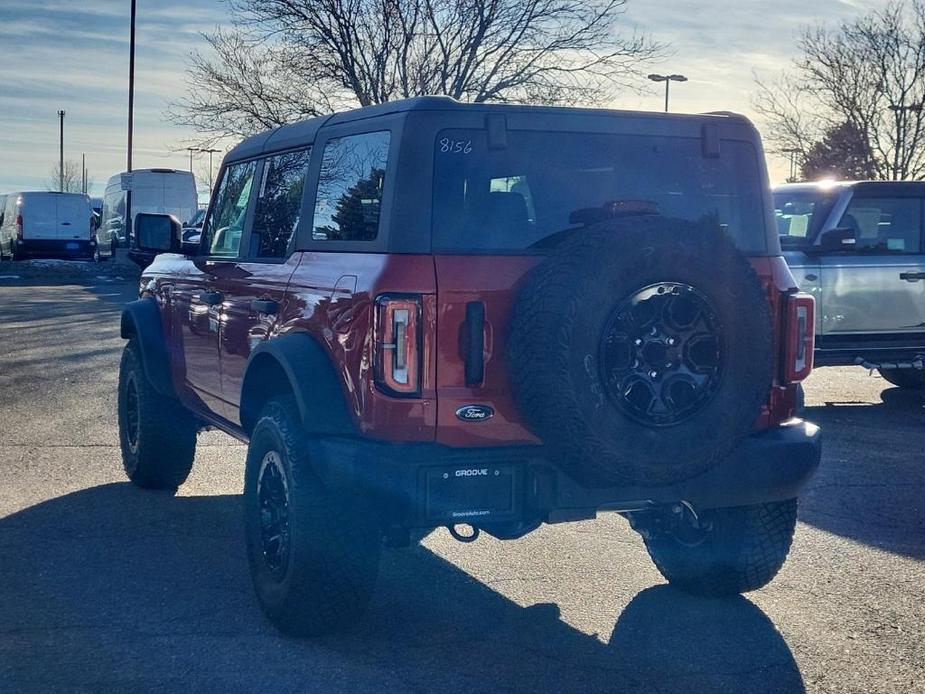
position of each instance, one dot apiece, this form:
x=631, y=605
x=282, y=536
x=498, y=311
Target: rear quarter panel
x=332, y=297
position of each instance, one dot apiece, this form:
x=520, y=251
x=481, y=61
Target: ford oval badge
x=475, y=413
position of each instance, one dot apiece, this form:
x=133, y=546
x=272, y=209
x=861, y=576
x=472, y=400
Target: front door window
x=225, y=226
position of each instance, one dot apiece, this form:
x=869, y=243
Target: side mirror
x=158, y=233
x=836, y=240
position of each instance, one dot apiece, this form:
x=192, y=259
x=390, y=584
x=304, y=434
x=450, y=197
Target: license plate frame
x=471, y=493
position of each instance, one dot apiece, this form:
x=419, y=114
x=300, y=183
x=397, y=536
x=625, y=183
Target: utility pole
x=61, y=151
x=83, y=173
x=127, y=222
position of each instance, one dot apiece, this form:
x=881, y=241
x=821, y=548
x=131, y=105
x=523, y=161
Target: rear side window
x=542, y=183
x=279, y=200
x=800, y=214
x=225, y=225
x=884, y=225
x=350, y=188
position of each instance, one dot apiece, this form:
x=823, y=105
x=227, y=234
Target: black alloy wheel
x=132, y=414
x=273, y=498
x=662, y=354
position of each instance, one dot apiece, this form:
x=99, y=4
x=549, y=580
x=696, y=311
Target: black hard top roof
x=303, y=132
x=867, y=187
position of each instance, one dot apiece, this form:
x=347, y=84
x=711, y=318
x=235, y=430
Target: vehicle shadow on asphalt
x=114, y=589
x=870, y=486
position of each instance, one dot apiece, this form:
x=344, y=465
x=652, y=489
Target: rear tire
x=157, y=434
x=742, y=551
x=911, y=379
x=313, y=551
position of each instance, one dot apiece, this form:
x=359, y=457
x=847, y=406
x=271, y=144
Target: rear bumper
x=425, y=486
x=56, y=247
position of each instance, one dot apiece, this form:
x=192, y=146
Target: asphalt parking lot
x=104, y=587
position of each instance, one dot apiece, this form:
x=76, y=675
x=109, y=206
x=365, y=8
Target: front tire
x=910, y=379
x=313, y=551
x=736, y=549
x=157, y=434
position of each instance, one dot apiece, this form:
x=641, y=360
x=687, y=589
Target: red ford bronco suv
x=428, y=313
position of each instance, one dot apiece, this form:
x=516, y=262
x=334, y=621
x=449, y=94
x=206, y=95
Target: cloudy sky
x=62, y=54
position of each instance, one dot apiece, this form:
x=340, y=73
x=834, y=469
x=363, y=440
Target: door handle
x=912, y=276
x=266, y=306
x=811, y=278
x=475, y=343
x=211, y=298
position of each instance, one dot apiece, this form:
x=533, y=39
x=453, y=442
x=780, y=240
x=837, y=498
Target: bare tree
x=290, y=59
x=868, y=76
x=73, y=177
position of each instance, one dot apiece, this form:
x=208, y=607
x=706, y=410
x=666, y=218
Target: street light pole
x=667, y=79
x=211, y=170
x=61, y=151
x=191, y=150
x=793, y=164
x=899, y=157
x=129, y=232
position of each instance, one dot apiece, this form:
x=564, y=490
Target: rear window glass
x=511, y=199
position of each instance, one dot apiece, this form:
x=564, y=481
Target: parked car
x=167, y=191
x=43, y=223
x=427, y=313
x=857, y=247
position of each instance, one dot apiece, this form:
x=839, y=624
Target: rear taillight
x=19, y=227
x=398, y=344
x=800, y=331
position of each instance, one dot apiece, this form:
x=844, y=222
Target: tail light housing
x=19, y=227
x=800, y=329
x=398, y=344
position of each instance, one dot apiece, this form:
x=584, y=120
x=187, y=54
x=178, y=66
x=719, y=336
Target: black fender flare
x=141, y=319
x=311, y=377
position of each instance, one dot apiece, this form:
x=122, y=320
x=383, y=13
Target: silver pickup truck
x=857, y=247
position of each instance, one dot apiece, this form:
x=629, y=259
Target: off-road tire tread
x=330, y=587
x=167, y=437
x=745, y=551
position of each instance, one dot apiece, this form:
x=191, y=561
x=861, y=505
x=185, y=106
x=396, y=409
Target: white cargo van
x=165, y=191
x=34, y=223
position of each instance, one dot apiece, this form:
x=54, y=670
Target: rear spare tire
x=641, y=350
